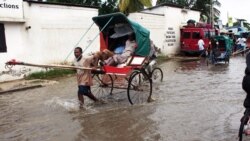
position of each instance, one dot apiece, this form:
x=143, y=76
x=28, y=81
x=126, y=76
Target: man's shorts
x=84, y=90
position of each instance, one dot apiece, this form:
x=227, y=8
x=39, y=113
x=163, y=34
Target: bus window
x=212, y=33
x=186, y=35
x=207, y=34
x=196, y=35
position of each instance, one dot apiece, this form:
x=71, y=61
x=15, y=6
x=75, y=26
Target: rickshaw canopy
x=224, y=42
x=105, y=22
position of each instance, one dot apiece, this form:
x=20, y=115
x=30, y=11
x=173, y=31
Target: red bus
x=190, y=36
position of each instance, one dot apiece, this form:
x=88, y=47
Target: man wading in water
x=84, y=78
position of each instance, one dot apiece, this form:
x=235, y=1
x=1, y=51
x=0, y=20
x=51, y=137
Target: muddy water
x=195, y=102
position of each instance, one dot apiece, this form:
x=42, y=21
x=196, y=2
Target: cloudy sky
x=235, y=9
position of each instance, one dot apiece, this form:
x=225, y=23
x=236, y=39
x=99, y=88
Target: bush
x=52, y=73
x=162, y=58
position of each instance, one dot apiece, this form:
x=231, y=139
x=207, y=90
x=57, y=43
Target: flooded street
x=195, y=102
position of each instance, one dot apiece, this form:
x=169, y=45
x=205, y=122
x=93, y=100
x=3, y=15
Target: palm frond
x=147, y=3
x=123, y=5
x=216, y=12
x=135, y=6
x=216, y=3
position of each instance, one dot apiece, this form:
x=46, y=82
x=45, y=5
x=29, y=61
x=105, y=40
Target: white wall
x=56, y=29
x=167, y=36
x=154, y=23
x=54, y=32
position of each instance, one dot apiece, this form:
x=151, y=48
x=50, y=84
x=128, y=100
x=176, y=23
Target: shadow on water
x=195, y=102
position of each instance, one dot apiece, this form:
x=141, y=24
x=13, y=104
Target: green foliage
x=184, y=3
x=129, y=6
x=162, y=58
x=106, y=7
x=109, y=6
x=247, y=25
x=203, y=5
x=80, y=2
x=163, y=1
x=53, y=73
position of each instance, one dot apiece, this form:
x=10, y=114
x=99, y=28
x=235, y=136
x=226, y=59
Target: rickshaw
x=220, y=50
x=133, y=76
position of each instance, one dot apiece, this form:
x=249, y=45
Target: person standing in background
x=201, y=47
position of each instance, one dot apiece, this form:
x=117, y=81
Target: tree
x=184, y=3
x=80, y=2
x=129, y=6
x=109, y=6
x=203, y=5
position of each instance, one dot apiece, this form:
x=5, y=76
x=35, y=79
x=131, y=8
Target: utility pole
x=211, y=13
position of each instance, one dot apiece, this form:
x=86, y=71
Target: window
x=196, y=35
x=207, y=34
x=186, y=35
x=3, y=47
x=212, y=33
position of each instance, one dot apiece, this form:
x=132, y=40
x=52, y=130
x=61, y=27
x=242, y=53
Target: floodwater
x=195, y=102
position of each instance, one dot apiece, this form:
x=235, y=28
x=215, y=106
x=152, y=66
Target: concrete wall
x=165, y=23
x=54, y=31
x=155, y=23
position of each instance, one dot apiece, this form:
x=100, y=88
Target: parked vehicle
x=220, y=51
x=191, y=34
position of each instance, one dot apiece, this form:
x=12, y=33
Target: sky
x=239, y=9
x=235, y=8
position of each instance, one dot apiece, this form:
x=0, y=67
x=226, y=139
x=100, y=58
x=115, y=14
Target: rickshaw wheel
x=139, y=88
x=103, y=85
x=157, y=75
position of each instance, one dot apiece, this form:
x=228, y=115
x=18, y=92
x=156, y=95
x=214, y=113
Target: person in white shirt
x=241, y=43
x=128, y=51
x=201, y=47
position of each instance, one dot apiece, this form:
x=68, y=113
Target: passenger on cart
x=128, y=51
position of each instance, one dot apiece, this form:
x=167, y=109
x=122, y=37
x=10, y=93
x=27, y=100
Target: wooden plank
x=47, y=66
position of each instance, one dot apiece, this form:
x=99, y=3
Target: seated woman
x=127, y=52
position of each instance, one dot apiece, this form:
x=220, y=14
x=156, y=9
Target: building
x=43, y=33
x=164, y=22
x=46, y=33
